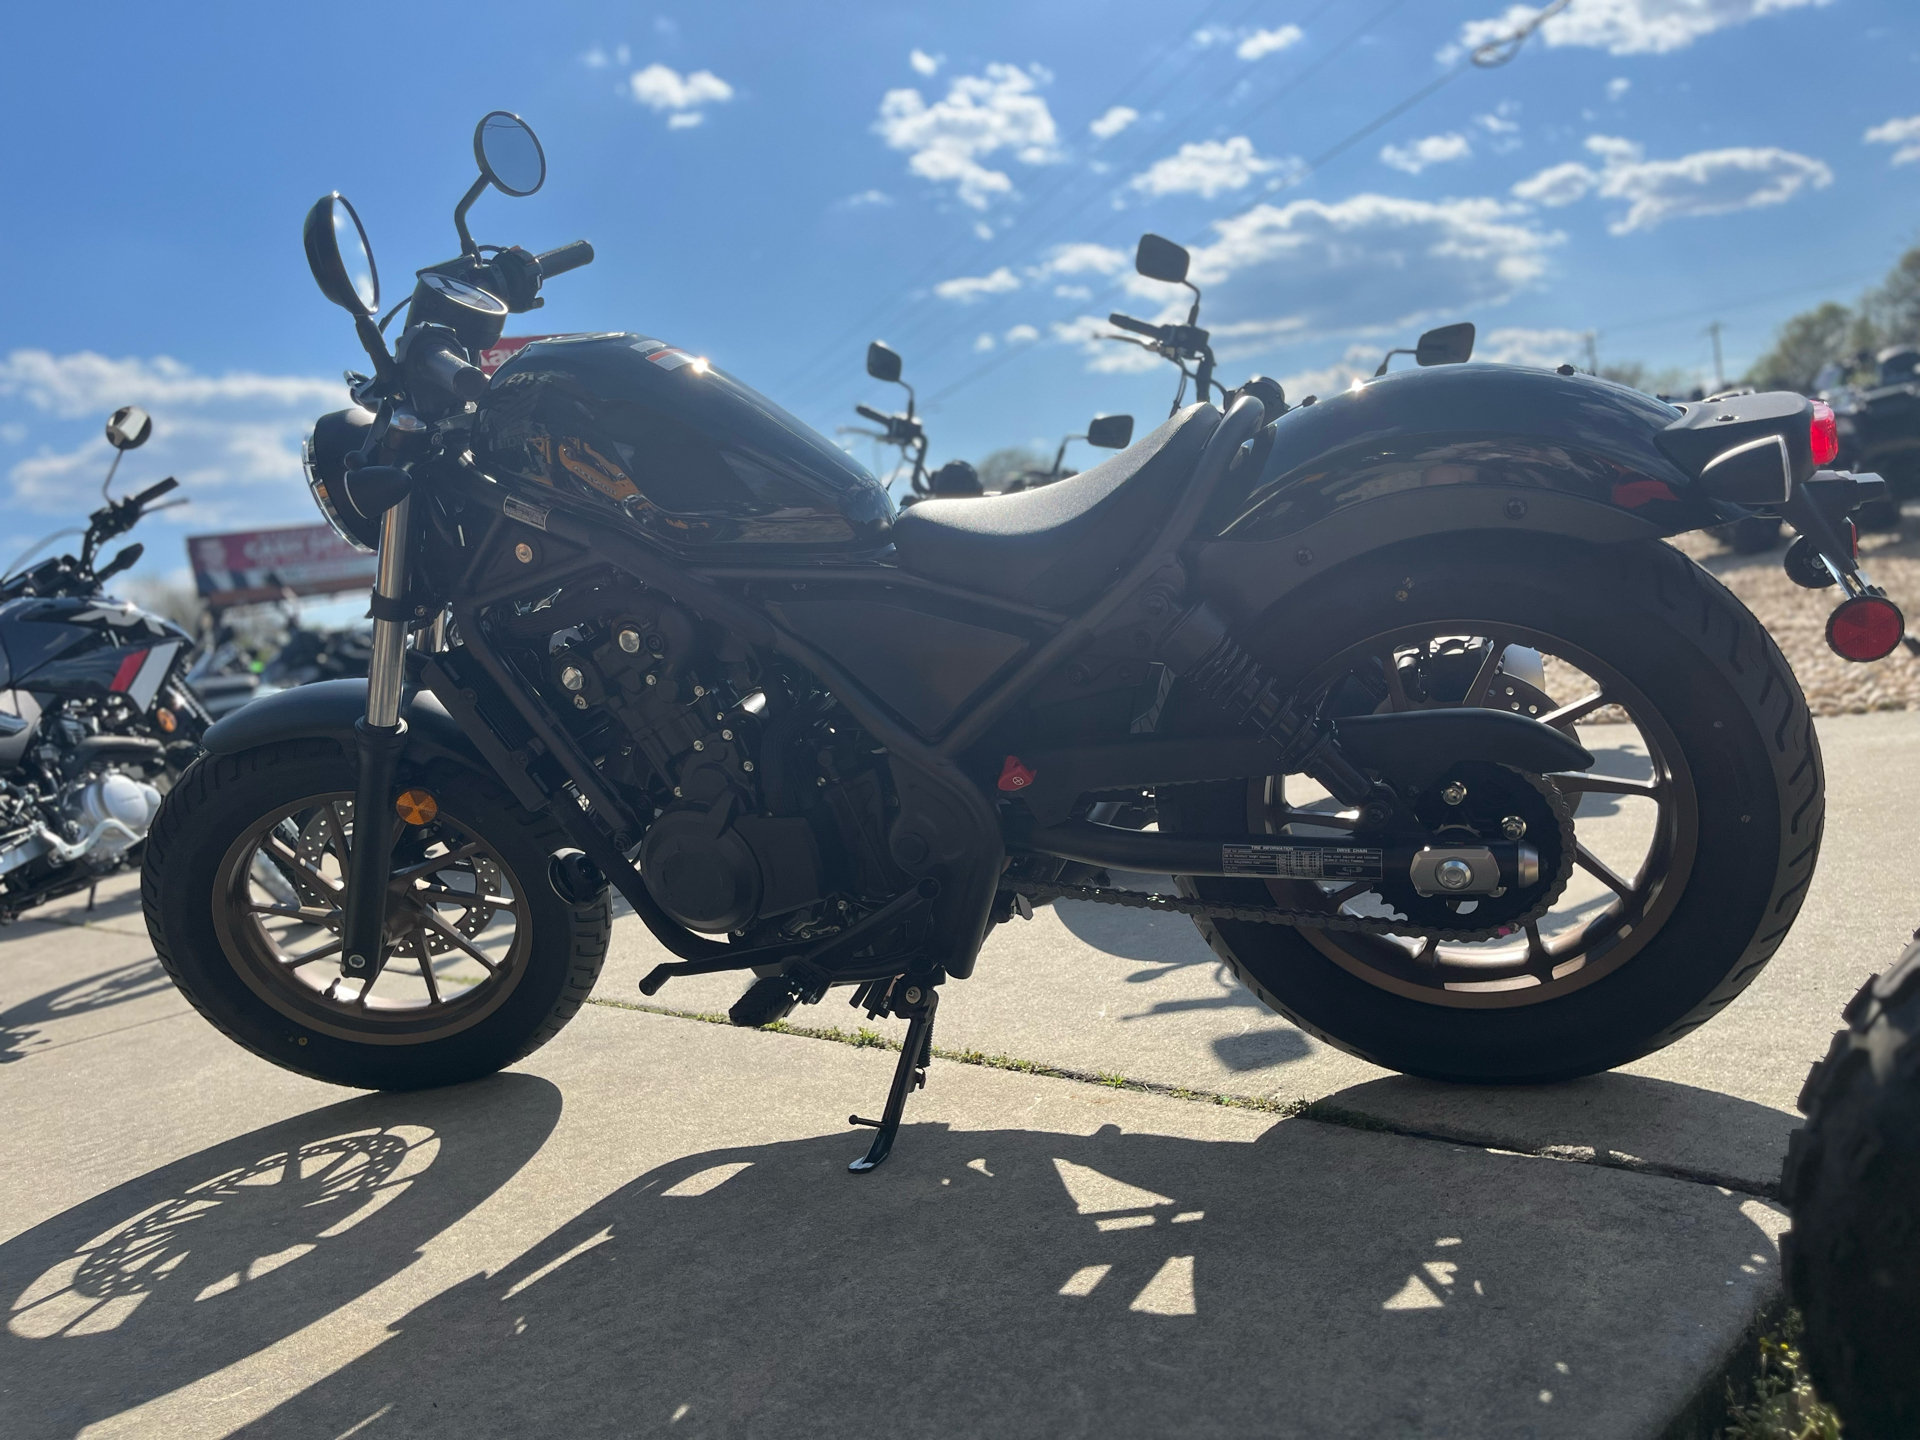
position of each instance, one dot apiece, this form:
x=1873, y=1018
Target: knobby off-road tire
x=224, y=969
x=1730, y=709
x=1852, y=1180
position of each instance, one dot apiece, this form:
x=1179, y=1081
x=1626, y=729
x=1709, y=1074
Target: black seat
x=1059, y=544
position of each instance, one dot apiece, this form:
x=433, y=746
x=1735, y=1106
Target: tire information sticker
x=1296, y=862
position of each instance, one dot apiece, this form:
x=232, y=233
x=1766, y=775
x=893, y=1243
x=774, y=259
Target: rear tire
x=1729, y=706
x=1851, y=1178
x=224, y=960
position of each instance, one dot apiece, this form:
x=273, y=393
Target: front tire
x=243, y=884
x=1735, y=784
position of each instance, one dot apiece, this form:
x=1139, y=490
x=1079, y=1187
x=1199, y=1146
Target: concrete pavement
x=647, y=1228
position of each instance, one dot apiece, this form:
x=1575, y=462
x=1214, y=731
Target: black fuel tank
x=676, y=448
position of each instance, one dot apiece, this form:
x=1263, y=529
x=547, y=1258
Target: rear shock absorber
x=1198, y=649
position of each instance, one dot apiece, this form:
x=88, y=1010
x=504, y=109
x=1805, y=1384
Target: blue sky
x=774, y=185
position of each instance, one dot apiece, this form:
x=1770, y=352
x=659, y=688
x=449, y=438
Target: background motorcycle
x=1852, y=1259
x=1879, y=424
x=99, y=722
x=662, y=634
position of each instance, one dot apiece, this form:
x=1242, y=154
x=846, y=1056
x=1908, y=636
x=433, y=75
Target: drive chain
x=1260, y=914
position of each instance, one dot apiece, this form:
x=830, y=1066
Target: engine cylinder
x=114, y=797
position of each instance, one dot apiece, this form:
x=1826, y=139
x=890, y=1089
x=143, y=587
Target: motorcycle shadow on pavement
x=189, y=1268
x=20, y=1026
x=1314, y=1280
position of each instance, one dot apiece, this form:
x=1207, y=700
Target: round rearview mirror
x=509, y=153
x=339, y=256
x=128, y=428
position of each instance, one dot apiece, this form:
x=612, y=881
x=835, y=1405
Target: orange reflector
x=165, y=717
x=416, y=807
x=1867, y=627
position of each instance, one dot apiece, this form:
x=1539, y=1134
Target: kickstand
x=918, y=1001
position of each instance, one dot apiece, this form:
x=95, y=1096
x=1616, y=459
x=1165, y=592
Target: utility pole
x=1593, y=353
x=1719, y=367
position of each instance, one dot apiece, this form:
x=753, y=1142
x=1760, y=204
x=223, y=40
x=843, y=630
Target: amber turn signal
x=416, y=807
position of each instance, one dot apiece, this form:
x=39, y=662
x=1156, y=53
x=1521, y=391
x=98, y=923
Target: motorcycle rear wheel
x=244, y=883
x=1734, y=782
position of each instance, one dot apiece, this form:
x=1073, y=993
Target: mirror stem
x=1193, y=315
x=910, y=398
x=1388, y=361
x=107, y=483
x=375, y=345
x=467, y=247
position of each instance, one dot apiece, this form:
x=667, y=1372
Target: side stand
x=916, y=1000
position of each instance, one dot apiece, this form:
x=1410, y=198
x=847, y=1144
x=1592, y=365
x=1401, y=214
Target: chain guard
x=1549, y=891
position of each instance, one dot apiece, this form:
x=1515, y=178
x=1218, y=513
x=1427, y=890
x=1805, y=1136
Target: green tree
x=1805, y=343
x=1002, y=467
x=1892, y=308
x=1639, y=376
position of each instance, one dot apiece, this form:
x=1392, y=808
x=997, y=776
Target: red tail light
x=1867, y=627
x=1825, y=433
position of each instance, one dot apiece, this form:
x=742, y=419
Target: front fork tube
x=379, y=737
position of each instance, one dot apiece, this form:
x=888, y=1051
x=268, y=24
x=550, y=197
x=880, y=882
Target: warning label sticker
x=1299, y=862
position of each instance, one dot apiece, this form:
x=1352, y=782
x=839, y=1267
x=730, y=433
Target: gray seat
x=1059, y=544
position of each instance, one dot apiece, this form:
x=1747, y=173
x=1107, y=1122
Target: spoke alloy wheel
x=1635, y=829
x=457, y=926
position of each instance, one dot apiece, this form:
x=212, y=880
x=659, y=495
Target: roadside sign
x=245, y=567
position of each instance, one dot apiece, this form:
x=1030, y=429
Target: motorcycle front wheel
x=244, y=891
x=1695, y=834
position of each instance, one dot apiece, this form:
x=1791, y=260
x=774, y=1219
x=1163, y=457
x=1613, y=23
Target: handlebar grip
x=867, y=412
x=154, y=492
x=567, y=257
x=452, y=374
x=1139, y=327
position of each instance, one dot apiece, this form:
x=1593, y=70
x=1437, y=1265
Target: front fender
x=1449, y=449
x=327, y=710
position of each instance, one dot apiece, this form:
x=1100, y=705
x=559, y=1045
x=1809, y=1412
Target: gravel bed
x=1798, y=618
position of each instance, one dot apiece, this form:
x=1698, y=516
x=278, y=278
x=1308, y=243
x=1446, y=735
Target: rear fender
x=1442, y=451
x=327, y=710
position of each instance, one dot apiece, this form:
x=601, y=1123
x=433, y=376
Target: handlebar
x=1139, y=327
x=152, y=493
x=452, y=374
x=867, y=412
x=567, y=257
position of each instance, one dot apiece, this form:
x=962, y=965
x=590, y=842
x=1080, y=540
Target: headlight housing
x=324, y=458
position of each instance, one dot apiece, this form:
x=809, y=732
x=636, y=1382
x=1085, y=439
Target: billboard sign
x=246, y=567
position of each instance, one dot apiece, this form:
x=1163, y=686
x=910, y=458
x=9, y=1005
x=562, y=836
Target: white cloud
x=1428, y=150
x=82, y=383
x=1903, y=133
x=980, y=116
x=1021, y=335
x=1206, y=168
x=1081, y=258
x=1359, y=362
x=1557, y=184
x=1371, y=263
x=1113, y=122
x=1543, y=349
x=1627, y=27
x=965, y=289
x=983, y=343
x=661, y=88
x=1499, y=123
x=232, y=440
x=1268, y=42
x=924, y=63
x=865, y=198
x=1709, y=182
x=1617, y=87
x=1073, y=292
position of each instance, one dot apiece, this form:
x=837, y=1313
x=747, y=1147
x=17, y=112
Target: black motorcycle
x=1879, y=420
x=97, y=722
x=952, y=481
x=636, y=624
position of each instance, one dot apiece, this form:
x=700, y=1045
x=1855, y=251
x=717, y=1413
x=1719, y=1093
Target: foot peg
x=770, y=998
x=914, y=1000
